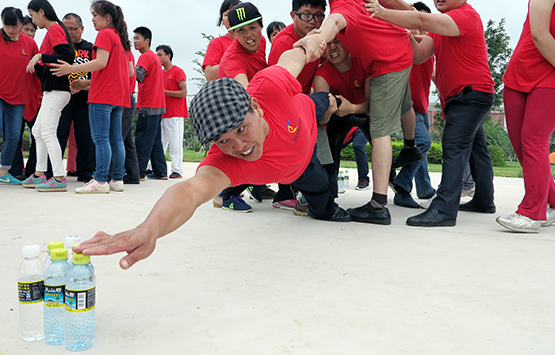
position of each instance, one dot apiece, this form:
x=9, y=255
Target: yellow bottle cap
x=54, y=245
x=81, y=259
x=58, y=254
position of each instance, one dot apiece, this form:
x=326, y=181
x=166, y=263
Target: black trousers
x=131, y=162
x=464, y=141
x=337, y=129
x=316, y=187
x=78, y=113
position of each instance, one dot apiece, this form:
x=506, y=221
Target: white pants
x=45, y=131
x=172, y=135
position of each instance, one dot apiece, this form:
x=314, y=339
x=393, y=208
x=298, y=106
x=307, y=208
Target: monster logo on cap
x=243, y=14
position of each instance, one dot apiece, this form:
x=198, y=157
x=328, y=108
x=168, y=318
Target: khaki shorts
x=389, y=99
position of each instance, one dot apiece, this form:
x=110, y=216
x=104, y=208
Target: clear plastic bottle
x=50, y=246
x=80, y=300
x=55, y=279
x=346, y=177
x=68, y=244
x=31, y=294
x=340, y=179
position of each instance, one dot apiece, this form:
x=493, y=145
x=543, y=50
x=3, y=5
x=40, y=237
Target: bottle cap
x=71, y=240
x=58, y=254
x=54, y=245
x=81, y=259
x=30, y=251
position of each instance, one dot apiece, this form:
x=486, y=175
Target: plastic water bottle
x=50, y=246
x=55, y=280
x=340, y=179
x=70, y=241
x=80, y=300
x=31, y=293
x=346, y=176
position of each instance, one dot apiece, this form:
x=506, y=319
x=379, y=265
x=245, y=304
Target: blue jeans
x=148, y=141
x=419, y=169
x=359, y=147
x=11, y=117
x=105, y=121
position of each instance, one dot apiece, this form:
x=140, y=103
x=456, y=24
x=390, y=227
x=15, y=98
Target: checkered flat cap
x=220, y=106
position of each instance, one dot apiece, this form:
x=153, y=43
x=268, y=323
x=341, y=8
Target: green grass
x=512, y=169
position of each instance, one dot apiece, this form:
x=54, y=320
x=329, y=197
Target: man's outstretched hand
x=137, y=243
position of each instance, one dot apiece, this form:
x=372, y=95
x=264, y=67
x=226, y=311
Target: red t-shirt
x=237, y=60
x=528, y=68
x=283, y=42
x=216, y=49
x=16, y=85
x=175, y=106
x=292, y=133
x=382, y=47
x=54, y=37
x=420, y=82
x=463, y=60
x=151, y=89
x=350, y=84
x=132, y=79
x=110, y=85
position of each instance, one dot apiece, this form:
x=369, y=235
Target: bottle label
x=80, y=300
x=30, y=292
x=54, y=295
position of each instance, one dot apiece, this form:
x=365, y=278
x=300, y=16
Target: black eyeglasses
x=319, y=17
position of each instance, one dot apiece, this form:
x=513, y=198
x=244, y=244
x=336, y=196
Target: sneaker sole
x=117, y=190
x=30, y=186
x=300, y=213
x=53, y=189
x=362, y=188
x=280, y=207
x=91, y=192
x=546, y=224
x=516, y=229
x=231, y=209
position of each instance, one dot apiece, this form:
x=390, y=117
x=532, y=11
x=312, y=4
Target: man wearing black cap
x=269, y=131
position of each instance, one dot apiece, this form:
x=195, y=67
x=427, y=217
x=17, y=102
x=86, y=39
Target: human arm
x=211, y=72
x=348, y=108
x=242, y=79
x=396, y=4
x=63, y=68
x=441, y=24
x=131, y=68
x=172, y=210
x=422, y=48
x=330, y=27
x=540, y=16
x=182, y=92
x=78, y=85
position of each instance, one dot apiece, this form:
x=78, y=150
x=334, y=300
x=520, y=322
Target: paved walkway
x=269, y=282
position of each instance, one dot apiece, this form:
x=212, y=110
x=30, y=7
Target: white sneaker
x=550, y=217
x=467, y=193
x=116, y=185
x=519, y=223
x=93, y=187
x=425, y=204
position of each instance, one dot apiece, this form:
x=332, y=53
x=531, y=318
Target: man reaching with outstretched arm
x=268, y=131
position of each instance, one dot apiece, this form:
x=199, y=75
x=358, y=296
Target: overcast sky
x=179, y=23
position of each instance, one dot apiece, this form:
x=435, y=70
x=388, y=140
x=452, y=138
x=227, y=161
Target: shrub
x=497, y=155
x=348, y=153
x=435, y=154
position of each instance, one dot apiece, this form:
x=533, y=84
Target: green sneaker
x=52, y=185
x=8, y=179
x=33, y=181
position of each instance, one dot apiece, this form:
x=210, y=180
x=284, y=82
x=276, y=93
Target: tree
x=499, y=53
x=198, y=63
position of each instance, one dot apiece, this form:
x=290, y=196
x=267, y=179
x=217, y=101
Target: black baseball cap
x=242, y=14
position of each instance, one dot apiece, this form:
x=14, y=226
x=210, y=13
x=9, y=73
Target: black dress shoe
x=338, y=215
x=431, y=218
x=407, y=156
x=128, y=180
x=369, y=214
x=471, y=207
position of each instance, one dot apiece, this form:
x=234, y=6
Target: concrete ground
x=269, y=282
